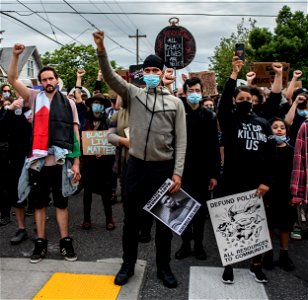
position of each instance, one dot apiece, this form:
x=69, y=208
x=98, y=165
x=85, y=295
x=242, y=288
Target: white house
x=29, y=64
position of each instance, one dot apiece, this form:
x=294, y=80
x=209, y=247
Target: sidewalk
x=22, y=280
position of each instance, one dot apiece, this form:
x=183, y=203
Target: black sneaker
x=67, y=249
x=256, y=271
x=5, y=221
x=183, y=252
x=19, y=237
x=40, y=251
x=227, y=276
x=199, y=253
x=285, y=261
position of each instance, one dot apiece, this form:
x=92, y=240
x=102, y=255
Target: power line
x=120, y=18
x=167, y=2
x=114, y=23
x=34, y=29
x=145, y=14
x=48, y=21
x=97, y=28
x=81, y=15
x=51, y=26
x=148, y=44
x=127, y=17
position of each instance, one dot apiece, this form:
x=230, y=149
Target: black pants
x=195, y=230
x=87, y=203
x=97, y=175
x=141, y=182
x=199, y=191
x=5, y=205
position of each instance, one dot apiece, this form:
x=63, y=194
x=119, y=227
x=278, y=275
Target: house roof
x=5, y=57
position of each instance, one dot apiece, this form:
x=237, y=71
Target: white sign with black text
x=240, y=226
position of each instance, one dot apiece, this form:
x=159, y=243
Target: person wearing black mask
x=269, y=106
x=249, y=154
x=202, y=157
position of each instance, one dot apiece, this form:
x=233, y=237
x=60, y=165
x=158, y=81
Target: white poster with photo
x=174, y=210
x=240, y=226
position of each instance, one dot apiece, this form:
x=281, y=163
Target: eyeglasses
x=6, y=90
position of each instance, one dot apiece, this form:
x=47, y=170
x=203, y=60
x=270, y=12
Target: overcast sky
x=152, y=17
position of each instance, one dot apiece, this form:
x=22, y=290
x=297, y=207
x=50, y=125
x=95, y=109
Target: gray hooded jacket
x=157, y=123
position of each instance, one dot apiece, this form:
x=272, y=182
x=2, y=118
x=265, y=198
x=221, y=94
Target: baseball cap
x=299, y=91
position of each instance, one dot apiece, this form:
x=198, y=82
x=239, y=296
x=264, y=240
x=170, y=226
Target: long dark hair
x=242, y=88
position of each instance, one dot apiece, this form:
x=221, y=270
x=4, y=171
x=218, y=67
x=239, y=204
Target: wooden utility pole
x=137, y=36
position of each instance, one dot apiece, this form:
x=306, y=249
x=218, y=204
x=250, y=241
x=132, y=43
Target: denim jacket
x=24, y=187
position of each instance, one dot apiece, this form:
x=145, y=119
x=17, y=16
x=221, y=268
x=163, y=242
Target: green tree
x=289, y=43
x=221, y=60
x=71, y=57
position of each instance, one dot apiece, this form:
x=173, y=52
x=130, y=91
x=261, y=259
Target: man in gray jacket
x=157, y=146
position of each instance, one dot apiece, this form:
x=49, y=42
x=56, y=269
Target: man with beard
x=54, y=137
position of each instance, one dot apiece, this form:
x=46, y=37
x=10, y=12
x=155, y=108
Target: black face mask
x=243, y=108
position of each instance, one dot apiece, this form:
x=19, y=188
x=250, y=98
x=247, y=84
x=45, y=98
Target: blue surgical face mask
x=151, y=80
x=6, y=94
x=194, y=98
x=280, y=139
x=302, y=112
x=96, y=107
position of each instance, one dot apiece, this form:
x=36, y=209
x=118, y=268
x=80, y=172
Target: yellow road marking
x=79, y=286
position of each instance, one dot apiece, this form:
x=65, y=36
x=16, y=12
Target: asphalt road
x=99, y=243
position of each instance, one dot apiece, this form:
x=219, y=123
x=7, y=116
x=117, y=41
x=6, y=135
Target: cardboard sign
x=240, y=226
x=265, y=74
x=124, y=74
x=208, y=80
x=96, y=143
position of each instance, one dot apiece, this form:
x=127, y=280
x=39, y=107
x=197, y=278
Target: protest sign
x=136, y=75
x=208, y=81
x=174, y=210
x=95, y=142
x=265, y=73
x=240, y=226
x=124, y=74
x=175, y=45
x=174, y=52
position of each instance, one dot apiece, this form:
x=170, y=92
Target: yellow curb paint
x=79, y=286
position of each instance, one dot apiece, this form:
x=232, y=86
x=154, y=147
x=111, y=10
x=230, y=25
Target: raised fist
x=98, y=38
x=81, y=72
x=18, y=49
x=277, y=67
x=297, y=74
x=250, y=76
x=168, y=77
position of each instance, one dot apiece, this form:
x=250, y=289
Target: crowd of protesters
x=158, y=134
